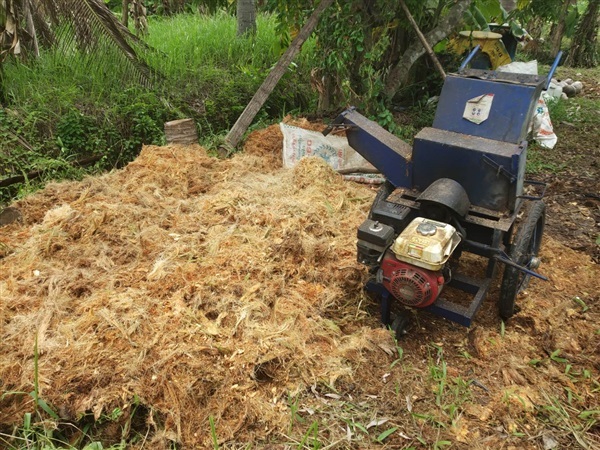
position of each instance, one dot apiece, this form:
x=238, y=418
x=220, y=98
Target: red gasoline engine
x=414, y=264
x=411, y=285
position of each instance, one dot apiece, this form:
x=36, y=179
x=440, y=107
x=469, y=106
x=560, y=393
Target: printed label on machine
x=478, y=109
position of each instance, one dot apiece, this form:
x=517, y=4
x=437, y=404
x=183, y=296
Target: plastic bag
x=529, y=67
x=540, y=125
x=298, y=143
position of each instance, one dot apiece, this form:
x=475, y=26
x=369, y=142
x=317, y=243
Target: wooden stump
x=182, y=131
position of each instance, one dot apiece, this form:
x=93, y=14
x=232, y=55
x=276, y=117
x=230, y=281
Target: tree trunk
x=423, y=40
x=234, y=136
x=399, y=74
x=246, y=17
x=30, y=27
x=558, y=29
x=125, y=13
x=583, y=47
x=139, y=17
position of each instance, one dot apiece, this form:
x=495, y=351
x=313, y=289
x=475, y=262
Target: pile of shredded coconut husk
x=195, y=290
x=188, y=282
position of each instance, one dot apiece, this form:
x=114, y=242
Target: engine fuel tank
x=426, y=243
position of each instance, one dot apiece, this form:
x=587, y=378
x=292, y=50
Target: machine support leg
x=385, y=308
x=496, y=242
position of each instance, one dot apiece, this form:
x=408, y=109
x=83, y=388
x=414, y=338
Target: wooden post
x=428, y=48
x=234, y=136
x=182, y=131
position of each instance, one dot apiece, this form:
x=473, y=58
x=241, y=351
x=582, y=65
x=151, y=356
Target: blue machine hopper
x=487, y=159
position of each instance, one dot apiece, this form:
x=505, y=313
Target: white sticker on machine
x=478, y=109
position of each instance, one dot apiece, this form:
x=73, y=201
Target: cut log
x=182, y=131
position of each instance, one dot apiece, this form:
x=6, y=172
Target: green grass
x=218, y=72
x=62, y=108
x=194, y=41
x=576, y=110
x=539, y=163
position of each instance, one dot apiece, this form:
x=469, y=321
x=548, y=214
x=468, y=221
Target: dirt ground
x=185, y=300
x=572, y=171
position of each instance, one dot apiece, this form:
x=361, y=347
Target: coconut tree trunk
x=399, y=73
x=246, y=17
x=125, y=16
x=583, y=48
x=139, y=17
x=558, y=29
x=30, y=27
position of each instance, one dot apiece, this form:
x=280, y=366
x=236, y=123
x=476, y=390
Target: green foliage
x=311, y=437
x=356, y=46
x=547, y=10
x=213, y=433
x=38, y=429
x=166, y=7
x=295, y=416
x=50, y=138
x=59, y=111
x=571, y=20
x=450, y=393
x=569, y=419
x=44, y=429
x=483, y=12
x=385, y=434
x=218, y=73
x=538, y=162
x=75, y=133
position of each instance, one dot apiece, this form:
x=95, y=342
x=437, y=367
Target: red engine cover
x=411, y=285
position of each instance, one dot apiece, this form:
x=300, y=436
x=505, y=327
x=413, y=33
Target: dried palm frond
x=85, y=26
x=9, y=36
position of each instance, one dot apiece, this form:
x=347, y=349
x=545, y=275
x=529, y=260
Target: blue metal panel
x=515, y=98
x=491, y=172
x=459, y=313
x=386, y=152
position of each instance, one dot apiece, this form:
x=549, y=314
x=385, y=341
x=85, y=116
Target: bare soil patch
x=572, y=171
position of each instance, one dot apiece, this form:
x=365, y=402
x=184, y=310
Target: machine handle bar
x=499, y=255
x=553, y=68
x=469, y=57
x=503, y=258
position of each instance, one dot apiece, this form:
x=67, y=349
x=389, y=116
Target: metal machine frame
x=504, y=222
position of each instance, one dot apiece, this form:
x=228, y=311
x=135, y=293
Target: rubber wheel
x=527, y=239
x=400, y=326
x=384, y=192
